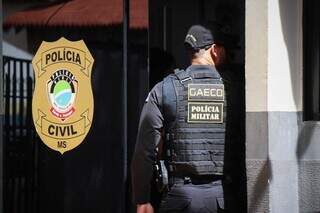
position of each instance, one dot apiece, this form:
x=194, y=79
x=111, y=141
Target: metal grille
x=20, y=147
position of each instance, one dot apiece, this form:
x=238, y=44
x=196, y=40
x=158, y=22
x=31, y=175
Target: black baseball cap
x=198, y=37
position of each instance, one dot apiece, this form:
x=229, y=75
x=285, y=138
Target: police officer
x=189, y=106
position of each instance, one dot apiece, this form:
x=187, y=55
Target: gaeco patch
x=206, y=92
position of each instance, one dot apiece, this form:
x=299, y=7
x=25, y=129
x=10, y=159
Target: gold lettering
x=216, y=117
x=192, y=91
x=62, y=55
x=205, y=92
x=213, y=92
x=205, y=108
x=193, y=108
x=193, y=116
x=205, y=116
x=219, y=92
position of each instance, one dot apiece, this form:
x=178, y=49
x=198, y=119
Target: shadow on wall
x=261, y=187
x=291, y=40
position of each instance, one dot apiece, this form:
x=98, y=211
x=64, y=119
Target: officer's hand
x=145, y=208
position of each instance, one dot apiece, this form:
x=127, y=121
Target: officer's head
x=203, y=47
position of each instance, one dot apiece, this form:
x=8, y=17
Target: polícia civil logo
x=62, y=103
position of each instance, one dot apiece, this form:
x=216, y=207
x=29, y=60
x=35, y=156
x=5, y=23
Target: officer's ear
x=218, y=54
x=216, y=50
x=213, y=51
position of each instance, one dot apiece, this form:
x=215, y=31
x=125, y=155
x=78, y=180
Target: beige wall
x=273, y=56
x=256, y=55
x=273, y=103
x=285, y=55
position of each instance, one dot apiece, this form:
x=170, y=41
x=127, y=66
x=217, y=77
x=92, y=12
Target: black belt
x=197, y=180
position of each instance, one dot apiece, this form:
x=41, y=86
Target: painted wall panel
x=285, y=55
x=256, y=54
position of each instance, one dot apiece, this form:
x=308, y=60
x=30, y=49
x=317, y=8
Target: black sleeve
x=149, y=135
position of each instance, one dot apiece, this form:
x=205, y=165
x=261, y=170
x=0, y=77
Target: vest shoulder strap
x=205, y=75
x=182, y=75
x=169, y=101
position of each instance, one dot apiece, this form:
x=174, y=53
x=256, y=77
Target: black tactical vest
x=194, y=109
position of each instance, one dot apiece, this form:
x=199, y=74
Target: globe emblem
x=62, y=94
x=62, y=89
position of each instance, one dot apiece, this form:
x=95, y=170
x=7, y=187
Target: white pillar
x=273, y=103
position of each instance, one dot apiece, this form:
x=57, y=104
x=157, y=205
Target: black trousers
x=192, y=198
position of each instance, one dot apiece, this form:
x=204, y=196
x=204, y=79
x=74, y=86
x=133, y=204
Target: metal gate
x=20, y=147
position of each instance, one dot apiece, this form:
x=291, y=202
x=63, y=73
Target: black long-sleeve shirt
x=149, y=136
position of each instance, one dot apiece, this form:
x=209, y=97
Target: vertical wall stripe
x=1, y=116
x=256, y=55
x=256, y=106
x=284, y=100
x=1, y=74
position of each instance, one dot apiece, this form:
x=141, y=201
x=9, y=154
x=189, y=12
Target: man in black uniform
x=189, y=106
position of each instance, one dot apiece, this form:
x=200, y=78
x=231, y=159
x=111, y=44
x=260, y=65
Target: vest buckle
x=185, y=79
x=186, y=180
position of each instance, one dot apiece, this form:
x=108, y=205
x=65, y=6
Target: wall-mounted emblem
x=62, y=104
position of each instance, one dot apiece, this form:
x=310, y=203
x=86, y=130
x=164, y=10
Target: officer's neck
x=204, y=59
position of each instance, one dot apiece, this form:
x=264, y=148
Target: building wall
x=284, y=101
x=15, y=37
x=283, y=167
x=256, y=106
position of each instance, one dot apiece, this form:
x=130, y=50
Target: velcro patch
x=205, y=92
x=205, y=112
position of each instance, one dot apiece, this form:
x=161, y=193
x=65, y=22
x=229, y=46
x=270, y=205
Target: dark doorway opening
x=170, y=20
x=168, y=24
